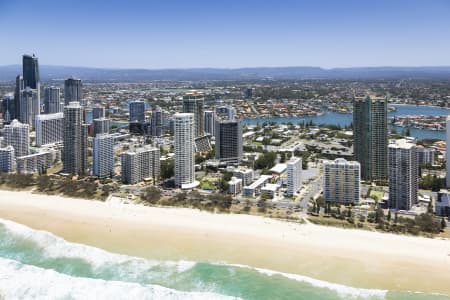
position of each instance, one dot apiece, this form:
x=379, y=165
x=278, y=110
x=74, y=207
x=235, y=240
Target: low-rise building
x=235, y=186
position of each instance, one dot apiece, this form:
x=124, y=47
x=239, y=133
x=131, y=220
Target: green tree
x=167, y=168
x=151, y=195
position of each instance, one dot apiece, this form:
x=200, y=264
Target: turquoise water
x=39, y=265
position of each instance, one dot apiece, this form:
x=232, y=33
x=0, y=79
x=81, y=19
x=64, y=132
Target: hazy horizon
x=232, y=34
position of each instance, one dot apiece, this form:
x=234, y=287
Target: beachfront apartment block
x=184, y=124
x=35, y=163
x=103, y=155
x=294, y=173
x=235, y=186
x=228, y=134
x=49, y=129
x=341, y=181
x=254, y=189
x=247, y=175
x=140, y=164
x=74, y=140
x=403, y=175
x=370, y=133
x=7, y=160
x=16, y=135
x=29, y=106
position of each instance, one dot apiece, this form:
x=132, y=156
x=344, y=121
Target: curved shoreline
x=350, y=257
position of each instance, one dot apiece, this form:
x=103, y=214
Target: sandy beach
x=351, y=257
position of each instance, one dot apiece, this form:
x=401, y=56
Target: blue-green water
x=334, y=118
x=39, y=265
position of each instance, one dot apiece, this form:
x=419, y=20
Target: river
x=342, y=119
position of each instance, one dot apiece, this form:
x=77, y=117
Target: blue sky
x=245, y=33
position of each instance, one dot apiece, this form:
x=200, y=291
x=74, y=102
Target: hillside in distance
x=9, y=72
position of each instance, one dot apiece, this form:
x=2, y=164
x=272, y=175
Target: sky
x=155, y=34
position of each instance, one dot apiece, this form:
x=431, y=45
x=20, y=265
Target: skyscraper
x=73, y=91
x=294, y=171
x=75, y=140
x=29, y=106
x=30, y=71
x=8, y=108
x=98, y=112
x=17, y=95
x=17, y=135
x=103, y=152
x=137, y=111
x=370, y=133
x=52, y=100
x=403, y=175
x=193, y=103
x=448, y=152
x=101, y=125
x=184, y=150
x=157, y=123
x=341, y=181
x=209, y=120
x=229, y=141
x=49, y=129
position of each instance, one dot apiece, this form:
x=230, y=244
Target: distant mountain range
x=8, y=73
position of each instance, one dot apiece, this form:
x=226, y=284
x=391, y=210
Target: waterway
x=345, y=119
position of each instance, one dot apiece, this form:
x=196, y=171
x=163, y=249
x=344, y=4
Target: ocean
x=39, y=265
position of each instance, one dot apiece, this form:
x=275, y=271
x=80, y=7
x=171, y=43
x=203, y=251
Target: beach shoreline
x=351, y=257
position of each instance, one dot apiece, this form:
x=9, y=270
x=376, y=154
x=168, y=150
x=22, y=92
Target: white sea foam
x=56, y=247
x=18, y=281
x=345, y=292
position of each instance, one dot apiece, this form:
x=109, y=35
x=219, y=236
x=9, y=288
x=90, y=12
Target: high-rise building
x=75, y=140
x=209, y=120
x=403, y=175
x=49, y=129
x=101, y=125
x=140, y=164
x=137, y=111
x=8, y=108
x=248, y=93
x=98, y=112
x=184, y=150
x=193, y=103
x=18, y=94
x=52, y=100
x=341, y=181
x=229, y=141
x=103, y=152
x=447, y=152
x=7, y=159
x=425, y=156
x=30, y=71
x=73, y=91
x=226, y=112
x=157, y=122
x=30, y=106
x=294, y=172
x=370, y=133
x=34, y=163
x=17, y=135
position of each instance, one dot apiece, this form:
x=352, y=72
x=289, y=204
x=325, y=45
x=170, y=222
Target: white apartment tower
x=49, y=129
x=403, y=174
x=294, y=172
x=103, y=155
x=341, y=181
x=17, y=135
x=184, y=150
